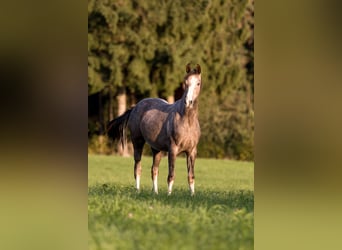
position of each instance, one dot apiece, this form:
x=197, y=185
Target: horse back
x=149, y=120
x=162, y=124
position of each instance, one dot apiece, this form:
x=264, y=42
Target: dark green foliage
x=142, y=47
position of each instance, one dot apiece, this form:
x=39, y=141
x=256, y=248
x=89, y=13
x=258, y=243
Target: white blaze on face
x=192, y=83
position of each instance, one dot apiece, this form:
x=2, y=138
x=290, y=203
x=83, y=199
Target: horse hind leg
x=155, y=169
x=138, y=148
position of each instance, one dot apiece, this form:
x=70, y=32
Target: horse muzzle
x=189, y=103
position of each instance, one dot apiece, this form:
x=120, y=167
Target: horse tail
x=116, y=128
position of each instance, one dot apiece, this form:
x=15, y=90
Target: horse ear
x=188, y=68
x=198, y=69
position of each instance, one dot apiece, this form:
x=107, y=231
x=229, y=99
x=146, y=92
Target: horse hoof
x=154, y=191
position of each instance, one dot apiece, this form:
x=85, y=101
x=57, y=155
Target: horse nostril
x=188, y=102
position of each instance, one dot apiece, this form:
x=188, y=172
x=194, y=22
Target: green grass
x=219, y=216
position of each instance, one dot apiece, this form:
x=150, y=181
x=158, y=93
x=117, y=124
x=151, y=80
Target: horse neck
x=188, y=113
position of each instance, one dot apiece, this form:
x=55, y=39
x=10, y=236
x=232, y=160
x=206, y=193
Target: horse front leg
x=171, y=177
x=154, y=169
x=190, y=160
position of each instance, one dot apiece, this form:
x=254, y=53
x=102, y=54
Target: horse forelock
x=192, y=72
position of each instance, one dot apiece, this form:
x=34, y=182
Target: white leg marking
x=192, y=188
x=138, y=182
x=155, y=184
x=170, y=187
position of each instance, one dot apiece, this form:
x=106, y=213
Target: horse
x=173, y=128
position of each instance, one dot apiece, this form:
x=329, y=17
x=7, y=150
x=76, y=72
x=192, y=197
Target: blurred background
x=45, y=117
x=139, y=49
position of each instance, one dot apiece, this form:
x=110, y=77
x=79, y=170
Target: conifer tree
x=139, y=48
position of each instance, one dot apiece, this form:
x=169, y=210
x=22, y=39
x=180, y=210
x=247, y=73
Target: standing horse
x=165, y=127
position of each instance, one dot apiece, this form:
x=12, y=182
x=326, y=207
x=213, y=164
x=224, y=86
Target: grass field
x=219, y=216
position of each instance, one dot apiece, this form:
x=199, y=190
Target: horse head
x=192, y=85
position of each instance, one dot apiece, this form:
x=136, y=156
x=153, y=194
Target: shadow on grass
x=233, y=199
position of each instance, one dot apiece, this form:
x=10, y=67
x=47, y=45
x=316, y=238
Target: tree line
x=139, y=49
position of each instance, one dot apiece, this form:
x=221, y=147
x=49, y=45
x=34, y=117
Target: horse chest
x=186, y=135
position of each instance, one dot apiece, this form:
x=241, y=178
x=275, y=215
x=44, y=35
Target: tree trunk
x=110, y=105
x=132, y=100
x=122, y=106
x=170, y=99
x=101, y=121
x=121, y=99
x=102, y=127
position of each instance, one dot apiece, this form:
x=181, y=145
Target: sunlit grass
x=219, y=216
